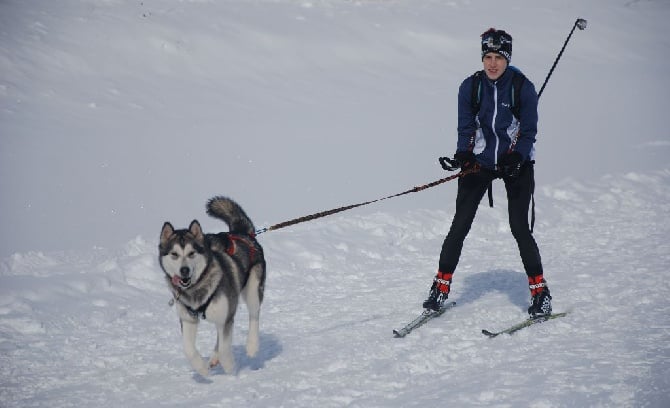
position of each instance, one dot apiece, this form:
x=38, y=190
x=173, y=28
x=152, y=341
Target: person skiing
x=496, y=134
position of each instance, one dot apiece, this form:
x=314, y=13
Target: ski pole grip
x=449, y=164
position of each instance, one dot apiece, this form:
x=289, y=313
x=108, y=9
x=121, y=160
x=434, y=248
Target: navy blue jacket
x=492, y=132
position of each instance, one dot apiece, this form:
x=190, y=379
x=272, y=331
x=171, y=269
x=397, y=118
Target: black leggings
x=471, y=189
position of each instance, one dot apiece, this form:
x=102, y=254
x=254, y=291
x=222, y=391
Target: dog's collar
x=198, y=313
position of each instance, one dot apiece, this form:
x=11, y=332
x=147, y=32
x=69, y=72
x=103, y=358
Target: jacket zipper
x=493, y=123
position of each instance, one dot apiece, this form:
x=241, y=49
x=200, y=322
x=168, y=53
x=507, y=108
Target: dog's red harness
x=232, y=248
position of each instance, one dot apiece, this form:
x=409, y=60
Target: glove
x=510, y=164
x=462, y=160
x=466, y=159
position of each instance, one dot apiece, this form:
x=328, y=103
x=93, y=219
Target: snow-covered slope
x=95, y=328
x=117, y=116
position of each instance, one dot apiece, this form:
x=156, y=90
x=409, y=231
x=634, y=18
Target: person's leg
x=471, y=189
x=519, y=193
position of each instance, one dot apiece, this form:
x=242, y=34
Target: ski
x=528, y=322
x=424, y=317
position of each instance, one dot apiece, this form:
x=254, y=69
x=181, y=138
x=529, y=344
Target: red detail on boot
x=536, y=284
x=443, y=280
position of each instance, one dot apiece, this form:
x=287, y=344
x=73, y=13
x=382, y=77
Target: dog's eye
x=174, y=255
x=191, y=254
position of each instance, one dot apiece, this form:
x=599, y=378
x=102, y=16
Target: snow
x=116, y=116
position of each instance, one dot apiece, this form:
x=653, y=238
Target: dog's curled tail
x=232, y=214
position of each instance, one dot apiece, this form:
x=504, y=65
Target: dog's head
x=183, y=254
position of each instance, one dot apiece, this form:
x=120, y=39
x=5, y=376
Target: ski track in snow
x=94, y=329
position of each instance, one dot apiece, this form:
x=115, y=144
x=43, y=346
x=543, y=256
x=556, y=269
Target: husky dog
x=207, y=273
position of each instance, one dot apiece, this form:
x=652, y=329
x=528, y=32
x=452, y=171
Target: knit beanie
x=497, y=41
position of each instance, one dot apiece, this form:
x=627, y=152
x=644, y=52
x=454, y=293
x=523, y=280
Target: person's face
x=494, y=65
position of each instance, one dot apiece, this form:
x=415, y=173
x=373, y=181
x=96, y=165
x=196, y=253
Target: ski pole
x=579, y=23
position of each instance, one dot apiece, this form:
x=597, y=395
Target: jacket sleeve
x=466, y=119
x=528, y=119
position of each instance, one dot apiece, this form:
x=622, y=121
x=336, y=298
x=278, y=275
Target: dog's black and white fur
x=207, y=273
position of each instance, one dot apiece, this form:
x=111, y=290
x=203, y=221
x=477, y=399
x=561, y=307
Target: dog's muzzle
x=184, y=280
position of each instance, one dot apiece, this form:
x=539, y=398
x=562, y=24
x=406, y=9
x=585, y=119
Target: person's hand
x=465, y=159
x=462, y=160
x=510, y=164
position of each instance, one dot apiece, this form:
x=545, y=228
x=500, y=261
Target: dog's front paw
x=199, y=365
x=203, y=370
x=228, y=364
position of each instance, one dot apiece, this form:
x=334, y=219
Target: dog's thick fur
x=207, y=273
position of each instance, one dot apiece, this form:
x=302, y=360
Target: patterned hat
x=497, y=41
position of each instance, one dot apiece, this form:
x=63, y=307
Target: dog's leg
x=214, y=360
x=224, y=336
x=189, y=331
x=253, y=296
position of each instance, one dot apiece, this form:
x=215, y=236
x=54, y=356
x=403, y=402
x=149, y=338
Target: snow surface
x=116, y=116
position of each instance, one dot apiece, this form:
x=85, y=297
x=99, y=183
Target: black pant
x=471, y=189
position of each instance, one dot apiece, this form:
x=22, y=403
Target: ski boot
x=439, y=291
x=540, y=302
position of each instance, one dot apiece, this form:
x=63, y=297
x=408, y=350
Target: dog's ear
x=166, y=232
x=196, y=230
